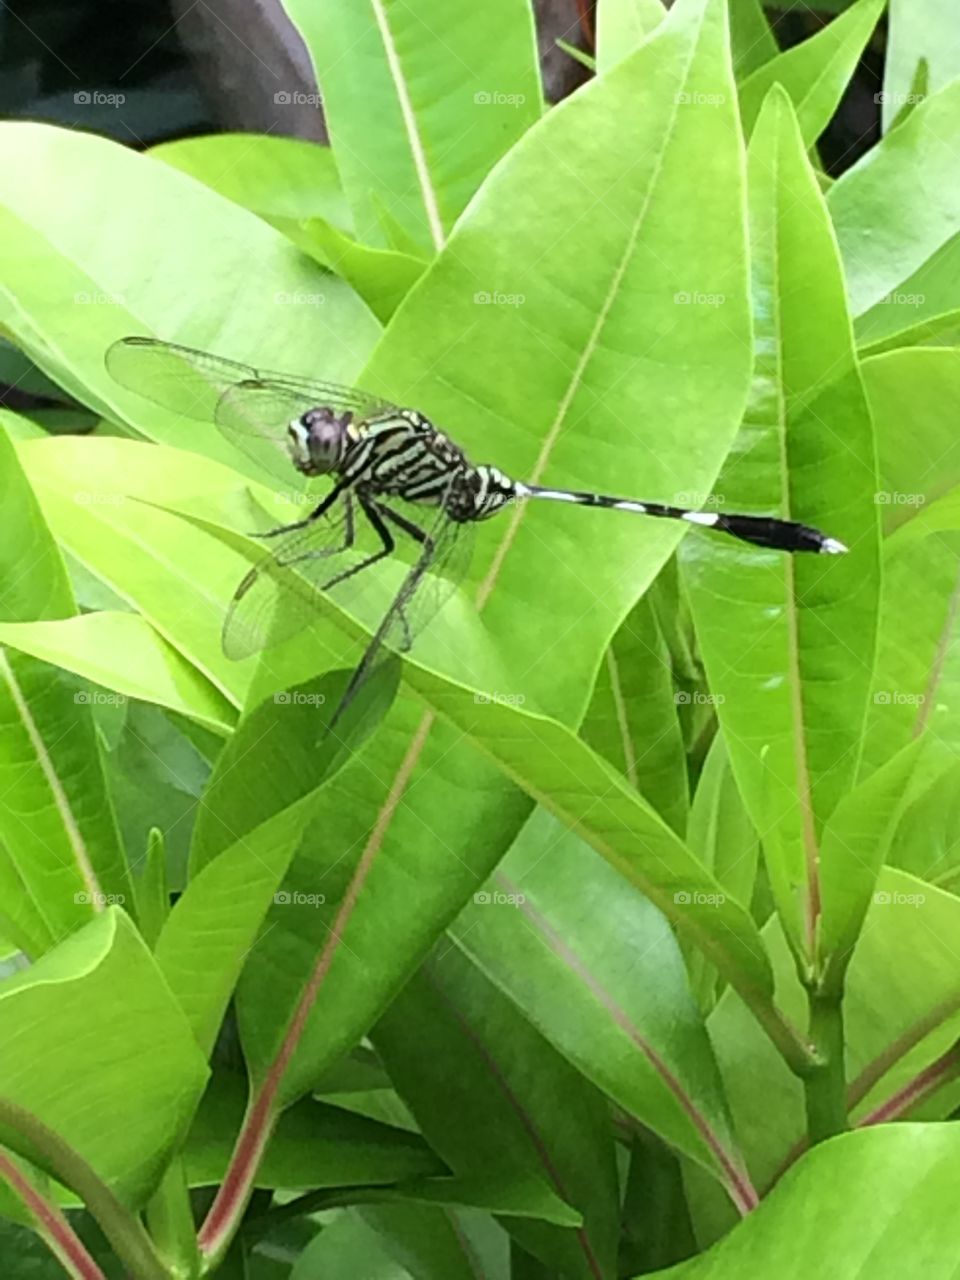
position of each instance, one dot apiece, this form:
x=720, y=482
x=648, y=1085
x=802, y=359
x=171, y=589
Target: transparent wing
x=252, y=407
x=440, y=568
x=279, y=596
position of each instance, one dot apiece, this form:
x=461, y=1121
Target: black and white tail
x=762, y=531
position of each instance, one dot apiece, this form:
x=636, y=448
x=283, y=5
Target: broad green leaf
x=622, y=25
x=927, y=839
x=60, y=845
x=70, y=1007
x=250, y=825
x=596, y=969
x=751, y=36
x=632, y=720
x=77, y=276
x=919, y=31
x=918, y=386
x=123, y=652
x=495, y=1100
x=921, y=309
x=410, y=798
x=622, y=368
x=558, y=770
x=854, y=847
x=157, y=772
x=382, y=277
x=789, y=642
x=722, y=836
x=816, y=72
x=907, y=951
x=938, y=331
x=895, y=1184
x=315, y=1145
x=392, y=836
x=284, y=180
x=901, y=203
x=442, y=1244
x=915, y=686
x=400, y=84
x=348, y=1244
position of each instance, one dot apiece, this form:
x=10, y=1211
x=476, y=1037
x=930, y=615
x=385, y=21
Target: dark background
x=195, y=66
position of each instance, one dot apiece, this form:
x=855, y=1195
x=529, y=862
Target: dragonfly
x=391, y=469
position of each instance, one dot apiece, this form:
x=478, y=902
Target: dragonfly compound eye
x=324, y=439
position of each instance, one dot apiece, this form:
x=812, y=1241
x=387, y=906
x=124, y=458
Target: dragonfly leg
x=387, y=543
x=320, y=510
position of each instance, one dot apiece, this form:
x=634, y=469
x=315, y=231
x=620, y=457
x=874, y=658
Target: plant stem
x=170, y=1220
x=51, y=1225
x=825, y=1086
x=122, y=1227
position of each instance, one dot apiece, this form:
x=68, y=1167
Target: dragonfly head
x=318, y=440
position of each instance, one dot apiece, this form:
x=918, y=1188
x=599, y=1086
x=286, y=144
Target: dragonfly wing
x=431, y=581
x=252, y=407
x=192, y=382
x=279, y=595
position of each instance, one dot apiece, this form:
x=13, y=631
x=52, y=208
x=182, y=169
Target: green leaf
x=722, y=836
x=283, y=180
x=854, y=848
x=314, y=1146
x=560, y=771
x=382, y=277
x=496, y=1101
x=581, y=391
x=121, y=651
x=249, y=828
x=814, y=73
x=78, y=276
x=751, y=36
x=632, y=720
x=920, y=32
x=792, y=697
x=68, y=1007
x=153, y=894
x=896, y=1185
x=596, y=969
x=906, y=951
x=61, y=847
x=900, y=204
x=622, y=25
x=398, y=85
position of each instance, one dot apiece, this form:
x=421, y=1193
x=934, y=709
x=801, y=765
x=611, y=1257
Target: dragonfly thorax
x=318, y=440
